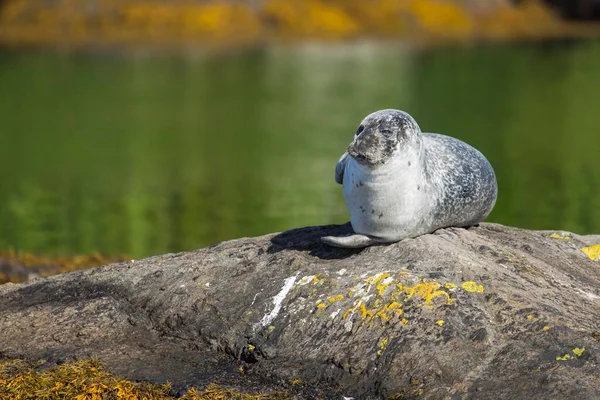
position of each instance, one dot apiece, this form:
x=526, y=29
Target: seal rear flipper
x=354, y=241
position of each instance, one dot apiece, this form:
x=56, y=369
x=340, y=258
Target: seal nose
x=364, y=146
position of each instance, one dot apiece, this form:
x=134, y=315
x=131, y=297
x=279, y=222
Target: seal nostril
x=359, y=130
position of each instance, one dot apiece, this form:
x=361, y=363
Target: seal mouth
x=361, y=158
x=365, y=158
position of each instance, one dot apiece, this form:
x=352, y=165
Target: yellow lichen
x=296, y=381
x=251, y=347
x=546, y=327
x=529, y=316
x=557, y=235
x=593, y=252
x=383, y=342
x=473, y=287
x=321, y=305
x=426, y=290
x=364, y=312
x=440, y=322
x=566, y=357
x=335, y=298
x=271, y=328
x=404, y=321
x=393, y=306
x=450, y=286
x=375, y=279
x=305, y=280
x=578, y=351
x=422, y=293
x=88, y=379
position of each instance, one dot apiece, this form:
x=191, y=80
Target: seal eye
x=359, y=130
x=386, y=132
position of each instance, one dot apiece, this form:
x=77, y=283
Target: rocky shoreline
x=486, y=312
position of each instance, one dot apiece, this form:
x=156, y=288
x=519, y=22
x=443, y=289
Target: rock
x=486, y=312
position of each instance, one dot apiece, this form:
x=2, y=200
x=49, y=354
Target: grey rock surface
x=479, y=313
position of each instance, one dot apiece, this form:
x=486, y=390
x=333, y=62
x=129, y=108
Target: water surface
x=143, y=155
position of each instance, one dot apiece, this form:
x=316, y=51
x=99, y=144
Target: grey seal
x=400, y=183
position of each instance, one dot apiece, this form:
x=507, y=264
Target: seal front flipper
x=354, y=241
x=340, y=167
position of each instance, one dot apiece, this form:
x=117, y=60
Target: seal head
x=381, y=134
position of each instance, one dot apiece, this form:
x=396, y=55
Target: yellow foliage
x=46, y=266
x=528, y=19
x=88, y=380
x=153, y=21
x=310, y=18
x=441, y=18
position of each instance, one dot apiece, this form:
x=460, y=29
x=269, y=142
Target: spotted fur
x=400, y=183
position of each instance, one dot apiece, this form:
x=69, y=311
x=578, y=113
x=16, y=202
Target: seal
x=400, y=183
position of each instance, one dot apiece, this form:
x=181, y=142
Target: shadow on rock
x=309, y=239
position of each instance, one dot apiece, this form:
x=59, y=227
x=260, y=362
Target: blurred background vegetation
x=106, y=23
x=144, y=127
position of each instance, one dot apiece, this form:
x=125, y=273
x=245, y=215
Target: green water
x=142, y=155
